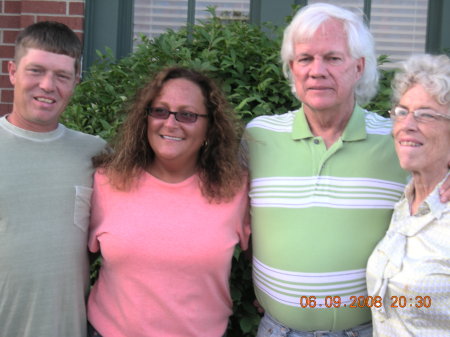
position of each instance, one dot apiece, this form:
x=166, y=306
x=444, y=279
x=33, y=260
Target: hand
x=258, y=306
x=444, y=191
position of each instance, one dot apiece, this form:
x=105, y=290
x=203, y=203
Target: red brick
x=5, y=109
x=76, y=8
x=80, y=36
x=7, y=95
x=7, y=52
x=10, y=22
x=5, y=67
x=75, y=23
x=13, y=7
x=9, y=36
x=44, y=7
x=26, y=20
x=4, y=82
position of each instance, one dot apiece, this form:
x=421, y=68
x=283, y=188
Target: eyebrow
x=182, y=107
x=419, y=108
x=59, y=71
x=332, y=52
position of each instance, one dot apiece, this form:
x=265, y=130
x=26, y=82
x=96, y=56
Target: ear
x=12, y=68
x=360, y=66
x=291, y=62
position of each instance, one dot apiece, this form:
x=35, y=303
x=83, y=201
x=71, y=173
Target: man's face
x=323, y=70
x=43, y=84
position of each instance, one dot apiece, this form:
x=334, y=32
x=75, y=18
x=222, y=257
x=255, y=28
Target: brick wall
x=17, y=14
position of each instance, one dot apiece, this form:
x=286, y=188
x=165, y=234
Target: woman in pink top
x=169, y=206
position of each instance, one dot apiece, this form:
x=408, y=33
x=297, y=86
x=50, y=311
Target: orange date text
x=364, y=302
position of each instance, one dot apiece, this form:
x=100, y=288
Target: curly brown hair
x=218, y=164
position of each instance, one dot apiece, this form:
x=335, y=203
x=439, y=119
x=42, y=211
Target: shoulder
x=84, y=136
x=277, y=123
x=100, y=175
x=102, y=181
x=243, y=189
x=81, y=139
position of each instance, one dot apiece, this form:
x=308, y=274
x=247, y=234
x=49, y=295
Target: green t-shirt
x=45, y=189
x=317, y=214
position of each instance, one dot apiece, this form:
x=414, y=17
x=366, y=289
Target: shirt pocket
x=82, y=210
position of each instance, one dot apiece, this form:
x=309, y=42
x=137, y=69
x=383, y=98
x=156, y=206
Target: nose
x=409, y=122
x=47, y=82
x=318, y=68
x=171, y=121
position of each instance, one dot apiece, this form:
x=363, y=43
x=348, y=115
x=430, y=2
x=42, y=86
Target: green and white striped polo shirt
x=317, y=214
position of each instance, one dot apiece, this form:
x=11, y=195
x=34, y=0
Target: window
x=153, y=17
x=399, y=27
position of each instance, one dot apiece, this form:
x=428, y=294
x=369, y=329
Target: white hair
x=432, y=72
x=359, y=41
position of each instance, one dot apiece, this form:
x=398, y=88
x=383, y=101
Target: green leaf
x=246, y=324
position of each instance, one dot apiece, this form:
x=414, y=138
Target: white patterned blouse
x=408, y=273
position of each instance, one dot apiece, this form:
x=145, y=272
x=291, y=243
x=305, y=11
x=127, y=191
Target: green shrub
x=242, y=58
x=382, y=102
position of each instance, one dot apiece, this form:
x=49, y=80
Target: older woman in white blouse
x=408, y=274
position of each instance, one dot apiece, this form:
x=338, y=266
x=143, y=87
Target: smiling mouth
x=171, y=138
x=406, y=143
x=44, y=100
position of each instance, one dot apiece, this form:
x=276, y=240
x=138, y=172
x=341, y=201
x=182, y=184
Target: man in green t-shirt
x=324, y=181
x=45, y=190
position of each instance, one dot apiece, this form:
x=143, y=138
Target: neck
x=423, y=185
x=171, y=174
x=22, y=123
x=327, y=124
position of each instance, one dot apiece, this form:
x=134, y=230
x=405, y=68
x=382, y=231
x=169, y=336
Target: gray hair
x=359, y=41
x=430, y=71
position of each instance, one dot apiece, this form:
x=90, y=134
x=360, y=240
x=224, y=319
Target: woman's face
x=176, y=144
x=422, y=147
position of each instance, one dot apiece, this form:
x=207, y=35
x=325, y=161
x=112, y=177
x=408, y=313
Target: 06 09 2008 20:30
x=364, y=302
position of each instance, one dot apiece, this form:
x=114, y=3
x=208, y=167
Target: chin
x=408, y=167
x=322, y=104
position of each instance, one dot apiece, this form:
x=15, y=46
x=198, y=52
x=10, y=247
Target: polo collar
x=354, y=131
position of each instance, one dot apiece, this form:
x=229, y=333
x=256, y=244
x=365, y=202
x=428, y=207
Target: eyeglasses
x=180, y=116
x=420, y=115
